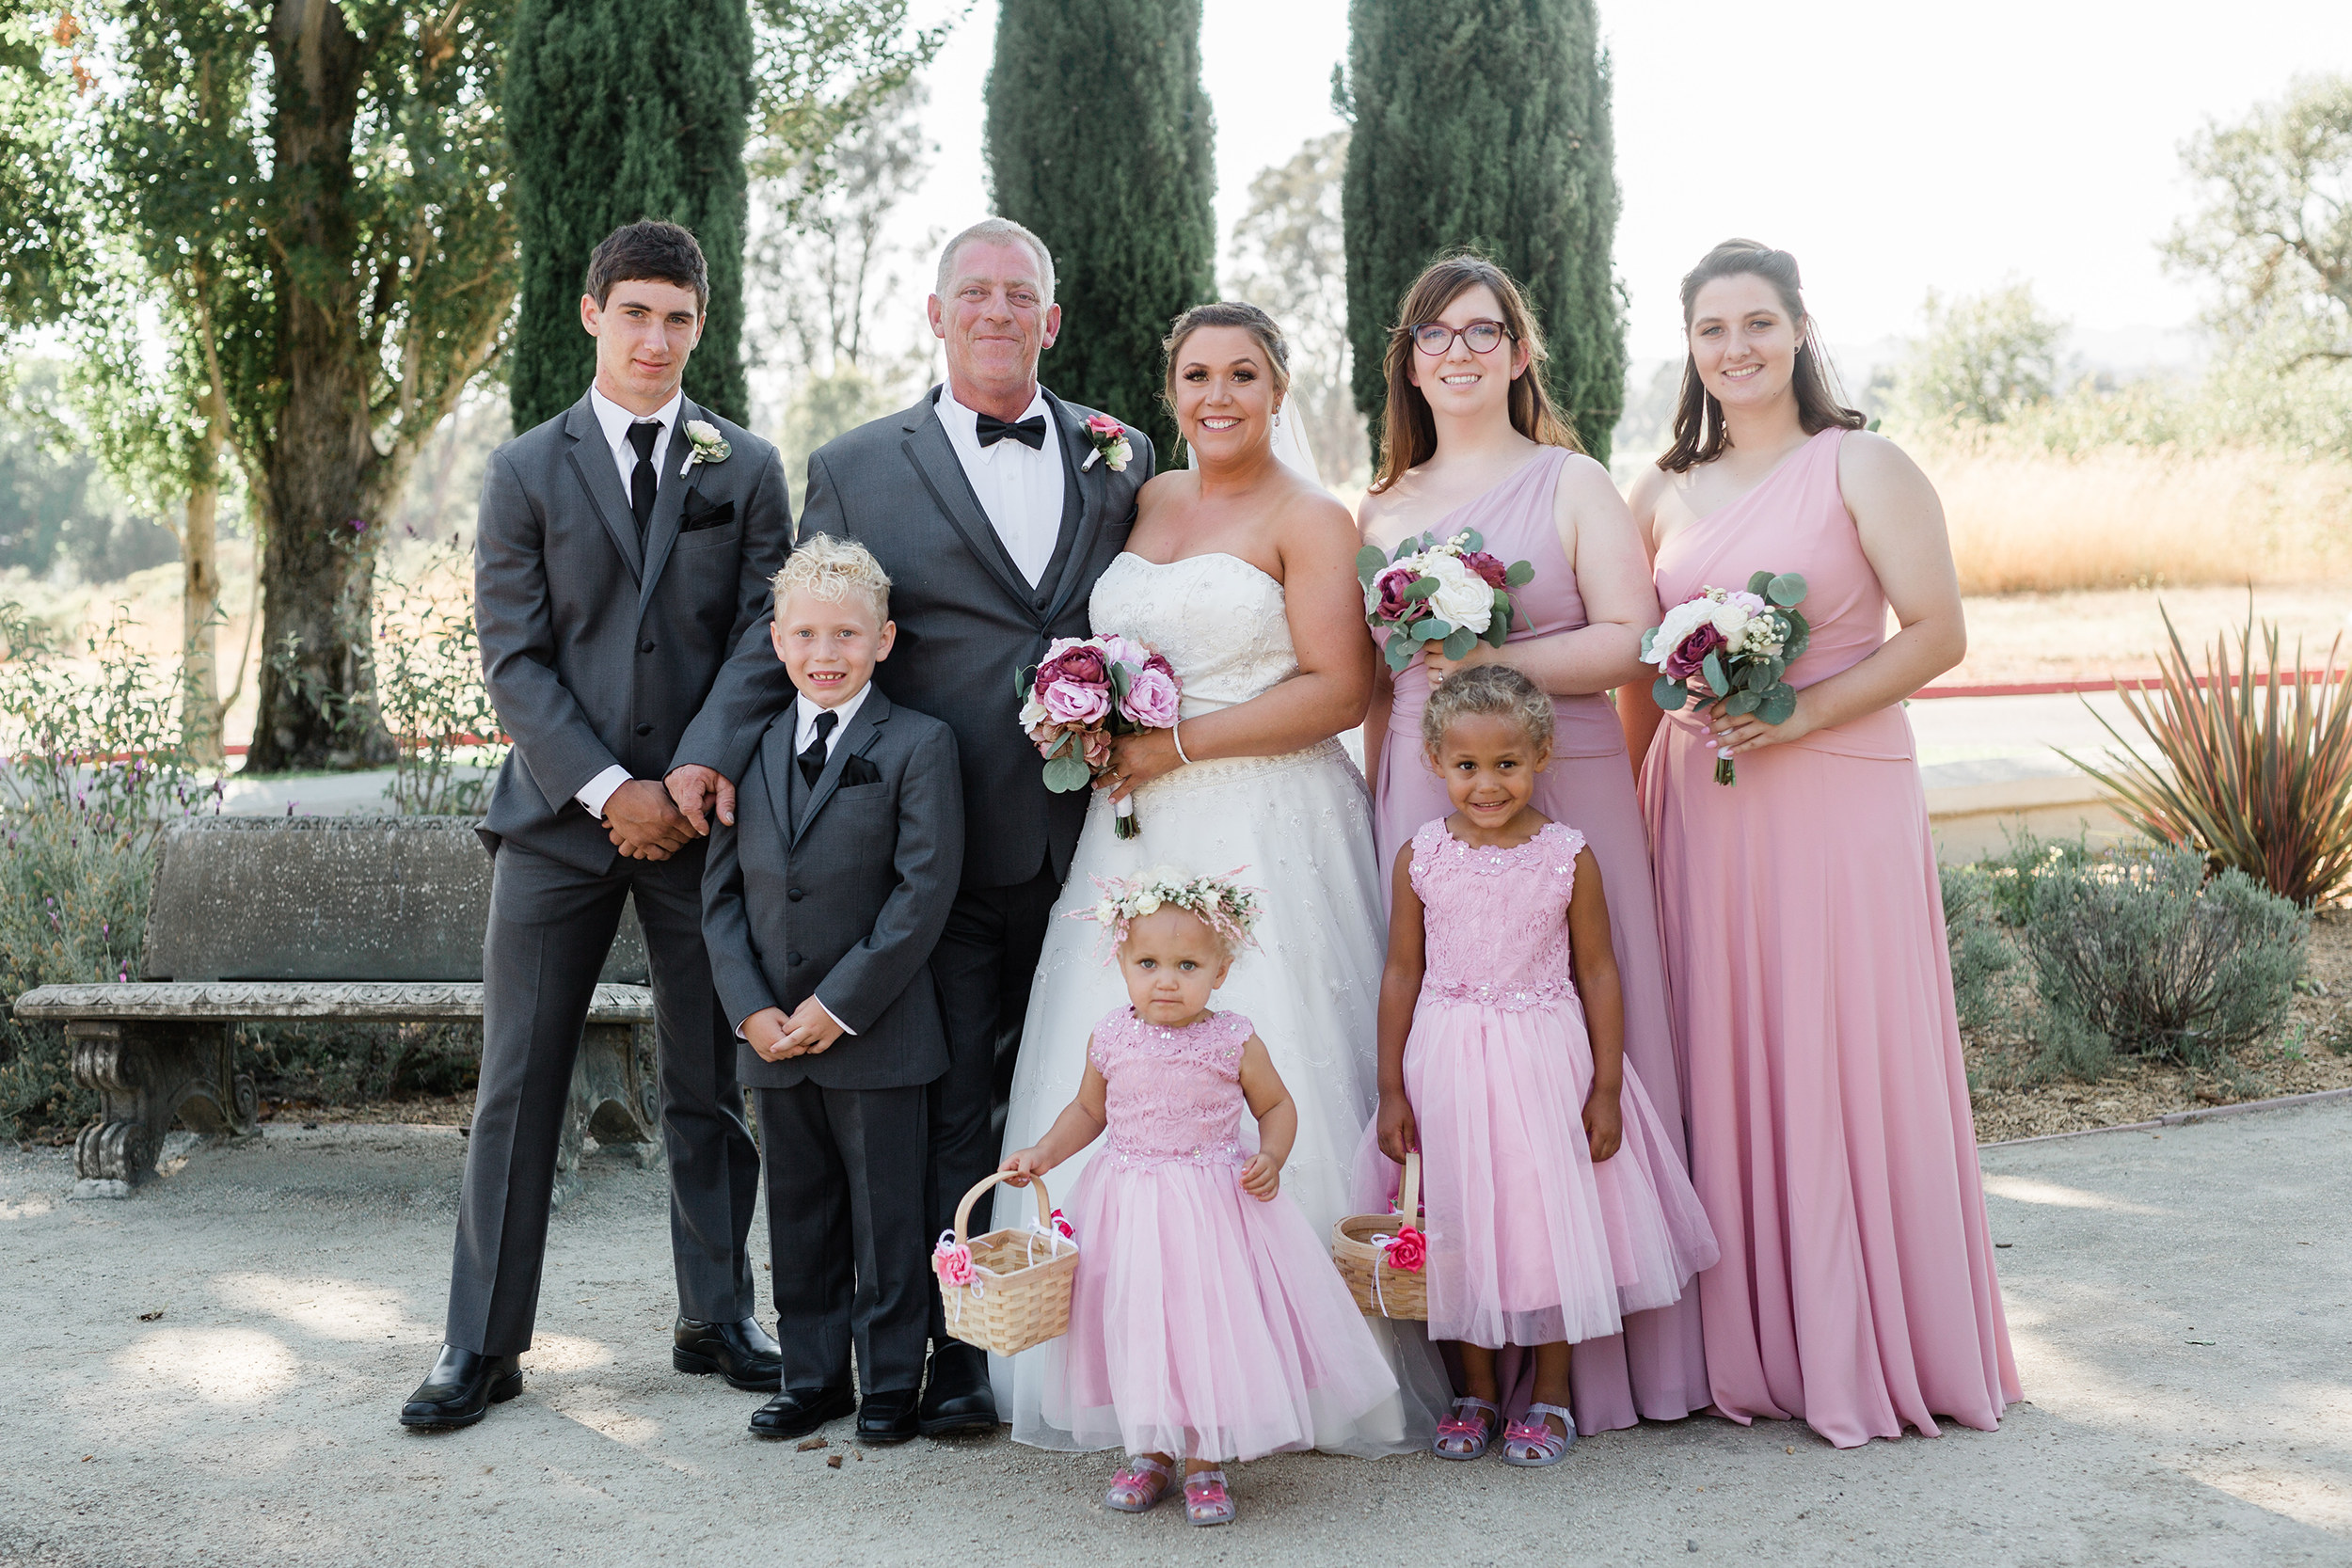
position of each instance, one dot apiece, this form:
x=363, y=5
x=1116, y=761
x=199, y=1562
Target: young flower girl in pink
x=1206, y=1319
x=1555, y=1204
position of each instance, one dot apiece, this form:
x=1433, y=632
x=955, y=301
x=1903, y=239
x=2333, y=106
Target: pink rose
x=1389, y=590
x=1487, y=567
x=1076, y=702
x=1689, y=655
x=952, y=1262
x=1103, y=424
x=1151, y=699
x=1409, y=1251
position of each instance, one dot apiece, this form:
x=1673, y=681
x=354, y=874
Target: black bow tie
x=1030, y=432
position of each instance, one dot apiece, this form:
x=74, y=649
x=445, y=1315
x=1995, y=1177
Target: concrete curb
x=2183, y=1119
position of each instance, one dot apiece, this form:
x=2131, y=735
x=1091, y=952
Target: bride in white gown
x=1242, y=573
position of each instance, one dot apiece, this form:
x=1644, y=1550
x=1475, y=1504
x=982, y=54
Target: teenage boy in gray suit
x=821, y=903
x=622, y=552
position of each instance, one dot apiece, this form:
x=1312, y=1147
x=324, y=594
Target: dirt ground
x=2020, y=639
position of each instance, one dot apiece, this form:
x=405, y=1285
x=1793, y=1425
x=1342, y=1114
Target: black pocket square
x=712, y=516
x=859, y=770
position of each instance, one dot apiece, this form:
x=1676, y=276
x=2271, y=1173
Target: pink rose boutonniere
x=1110, y=440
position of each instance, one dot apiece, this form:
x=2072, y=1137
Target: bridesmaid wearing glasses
x=1831, y=1136
x=1470, y=440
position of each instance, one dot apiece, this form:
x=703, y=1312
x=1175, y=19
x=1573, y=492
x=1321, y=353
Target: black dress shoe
x=460, y=1389
x=886, y=1417
x=798, y=1412
x=958, y=1398
x=741, y=1353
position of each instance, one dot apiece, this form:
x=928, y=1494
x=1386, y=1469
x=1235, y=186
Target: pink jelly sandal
x=1206, y=1501
x=1464, y=1436
x=1530, y=1444
x=1138, y=1487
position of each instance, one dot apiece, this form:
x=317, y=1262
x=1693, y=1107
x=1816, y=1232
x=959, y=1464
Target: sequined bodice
x=1221, y=622
x=1172, y=1094
x=1497, y=920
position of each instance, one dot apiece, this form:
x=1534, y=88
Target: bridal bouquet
x=1732, y=647
x=1088, y=692
x=1448, y=592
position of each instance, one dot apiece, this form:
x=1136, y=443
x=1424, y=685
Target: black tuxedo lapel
x=668, y=503
x=592, y=460
x=1081, y=510
x=856, y=740
x=934, y=458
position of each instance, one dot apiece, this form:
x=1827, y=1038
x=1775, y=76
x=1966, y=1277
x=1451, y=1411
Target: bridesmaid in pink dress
x=1472, y=442
x=1831, y=1138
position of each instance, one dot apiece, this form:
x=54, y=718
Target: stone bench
x=316, y=919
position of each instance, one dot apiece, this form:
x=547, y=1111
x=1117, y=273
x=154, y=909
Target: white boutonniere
x=1111, y=444
x=707, y=444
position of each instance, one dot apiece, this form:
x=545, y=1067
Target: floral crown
x=1223, y=904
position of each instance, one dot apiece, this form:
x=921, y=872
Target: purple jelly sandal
x=1532, y=1444
x=1464, y=1435
x=1138, y=1487
x=1206, y=1501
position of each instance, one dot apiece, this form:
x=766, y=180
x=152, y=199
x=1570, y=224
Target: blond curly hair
x=835, y=570
x=1491, y=689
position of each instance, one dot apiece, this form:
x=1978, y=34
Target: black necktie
x=1030, y=432
x=813, y=760
x=644, y=481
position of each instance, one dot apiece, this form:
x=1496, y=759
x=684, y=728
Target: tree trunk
x=318, y=563
x=200, y=612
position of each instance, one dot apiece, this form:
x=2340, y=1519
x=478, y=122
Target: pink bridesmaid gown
x=1656, y=1368
x=1830, y=1131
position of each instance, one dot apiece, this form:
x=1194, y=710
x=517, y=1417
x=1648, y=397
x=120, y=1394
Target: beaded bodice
x=1172, y=1094
x=1497, y=926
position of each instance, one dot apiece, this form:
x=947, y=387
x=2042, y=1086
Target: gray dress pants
x=551, y=926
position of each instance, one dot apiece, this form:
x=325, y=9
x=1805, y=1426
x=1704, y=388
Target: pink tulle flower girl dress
x=1202, y=1321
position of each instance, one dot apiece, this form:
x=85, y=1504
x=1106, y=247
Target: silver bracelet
x=1176, y=732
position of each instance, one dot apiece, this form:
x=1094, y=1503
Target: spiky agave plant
x=2258, y=770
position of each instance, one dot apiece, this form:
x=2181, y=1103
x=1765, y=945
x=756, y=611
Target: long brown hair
x=1700, y=436
x=1408, y=433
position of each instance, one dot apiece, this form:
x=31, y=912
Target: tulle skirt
x=1203, y=1323
x=1530, y=1242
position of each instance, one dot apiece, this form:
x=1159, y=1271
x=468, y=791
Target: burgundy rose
x=1487, y=567
x=1390, y=587
x=1075, y=665
x=1689, y=655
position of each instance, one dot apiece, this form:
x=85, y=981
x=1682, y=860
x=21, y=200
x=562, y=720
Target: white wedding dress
x=1297, y=827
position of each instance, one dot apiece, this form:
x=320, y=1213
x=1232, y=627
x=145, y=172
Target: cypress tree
x=1485, y=123
x=619, y=110
x=1100, y=140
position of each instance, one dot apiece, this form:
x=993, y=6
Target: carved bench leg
x=612, y=1100
x=149, y=1075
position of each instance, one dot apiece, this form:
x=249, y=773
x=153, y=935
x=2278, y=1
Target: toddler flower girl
x=1554, y=1201
x=1206, y=1319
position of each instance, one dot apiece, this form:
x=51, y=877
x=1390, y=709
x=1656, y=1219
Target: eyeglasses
x=1435, y=339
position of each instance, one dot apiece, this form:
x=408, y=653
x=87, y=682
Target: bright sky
x=1894, y=149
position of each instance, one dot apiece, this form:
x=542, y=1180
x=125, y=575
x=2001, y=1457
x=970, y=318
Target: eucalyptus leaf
x=1649, y=637
x=1432, y=630
x=1406, y=547
x=1422, y=589
x=1459, y=644
x=1786, y=589
x=1671, y=696
x=1778, y=707
x=1399, y=653
x=1759, y=581
x=1024, y=681
x=1742, y=702
x=1368, y=563
x=1717, y=681
x=1518, y=573
x=1473, y=540
x=1121, y=680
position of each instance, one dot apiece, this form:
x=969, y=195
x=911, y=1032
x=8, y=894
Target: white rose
x=1147, y=904
x=1677, y=624
x=701, y=430
x=1462, y=597
x=1728, y=619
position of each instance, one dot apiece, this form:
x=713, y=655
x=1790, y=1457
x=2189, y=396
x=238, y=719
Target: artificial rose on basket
x=1448, y=592
x=1734, y=648
x=1086, y=692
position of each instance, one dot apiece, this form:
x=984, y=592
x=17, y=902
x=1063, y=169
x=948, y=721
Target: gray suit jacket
x=596, y=652
x=840, y=892
x=968, y=620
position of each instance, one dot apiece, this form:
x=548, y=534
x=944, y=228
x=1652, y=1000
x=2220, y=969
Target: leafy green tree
x=619, y=110
x=1290, y=260
x=1485, y=123
x=1982, y=358
x=1100, y=141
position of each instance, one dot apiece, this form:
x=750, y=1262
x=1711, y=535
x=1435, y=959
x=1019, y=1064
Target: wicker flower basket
x=1381, y=1289
x=1018, y=1293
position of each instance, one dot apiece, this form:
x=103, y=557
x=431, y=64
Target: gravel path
x=2182, y=1305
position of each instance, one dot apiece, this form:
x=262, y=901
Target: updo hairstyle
x=1226, y=312
x=1495, y=688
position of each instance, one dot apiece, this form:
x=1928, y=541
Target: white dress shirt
x=1020, y=490
x=615, y=421
x=803, y=731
